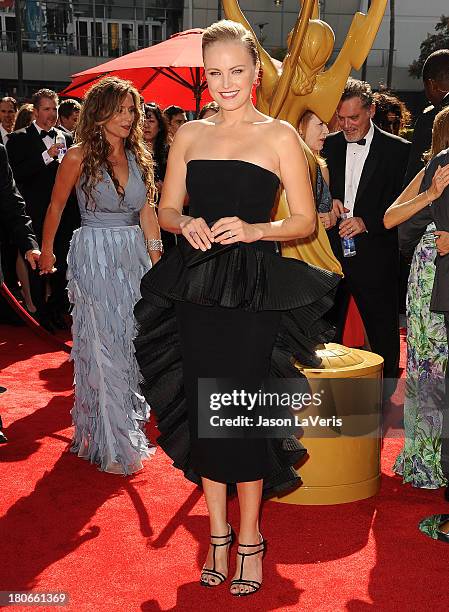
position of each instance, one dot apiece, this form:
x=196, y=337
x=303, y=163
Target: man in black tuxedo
x=435, y=76
x=367, y=168
x=14, y=218
x=34, y=158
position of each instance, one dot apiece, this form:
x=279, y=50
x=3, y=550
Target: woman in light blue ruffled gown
x=112, y=173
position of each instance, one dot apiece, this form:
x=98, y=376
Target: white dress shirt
x=356, y=155
x=48, y=142
x=4, y=134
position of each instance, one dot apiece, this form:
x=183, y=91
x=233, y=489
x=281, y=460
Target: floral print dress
x=427, y=352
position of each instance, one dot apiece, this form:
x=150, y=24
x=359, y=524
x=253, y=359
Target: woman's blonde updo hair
x=231, y=31
x=101, y=103
x=440, y=134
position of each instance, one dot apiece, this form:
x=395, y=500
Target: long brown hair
x=387, y=103
x=24, y=117
x=440, y=134
x=102, y=102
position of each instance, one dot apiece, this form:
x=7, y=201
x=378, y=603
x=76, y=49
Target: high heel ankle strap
x=228, y=538
x=262, y=542
x=261, y=546
x=257, y=552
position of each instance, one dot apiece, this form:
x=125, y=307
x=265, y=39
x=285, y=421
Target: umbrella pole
x=198, y=92
x=198, y=103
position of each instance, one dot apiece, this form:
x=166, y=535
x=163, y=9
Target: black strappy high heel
x=229, y=539
x=252, y=584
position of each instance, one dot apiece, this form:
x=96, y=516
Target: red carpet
x=117, y=544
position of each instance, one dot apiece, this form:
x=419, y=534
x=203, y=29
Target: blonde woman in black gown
x=211, y=312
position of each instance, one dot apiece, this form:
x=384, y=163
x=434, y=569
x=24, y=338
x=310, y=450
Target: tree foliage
x=433, y=42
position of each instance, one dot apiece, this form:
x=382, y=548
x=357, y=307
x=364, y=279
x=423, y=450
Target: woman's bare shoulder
x=188, y=134
x=283, y=137
x=72, y=163
x=284, y=129
x=191, y=129
x=75, y=154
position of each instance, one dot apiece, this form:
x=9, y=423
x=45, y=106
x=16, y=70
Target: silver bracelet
x=154, y=244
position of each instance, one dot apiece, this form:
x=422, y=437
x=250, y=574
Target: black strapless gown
x=240, y=312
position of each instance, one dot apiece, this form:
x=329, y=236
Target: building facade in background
x=62, y=37
x=414, y=20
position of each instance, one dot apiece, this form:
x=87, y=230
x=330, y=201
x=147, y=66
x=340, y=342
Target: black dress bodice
x=230, y=187
x=251, y=276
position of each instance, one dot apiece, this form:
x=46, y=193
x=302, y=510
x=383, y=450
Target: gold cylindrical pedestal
x=343, y=463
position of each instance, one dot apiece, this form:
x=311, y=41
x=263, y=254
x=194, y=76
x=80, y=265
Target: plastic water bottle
x=347, y=244
x=63, y=150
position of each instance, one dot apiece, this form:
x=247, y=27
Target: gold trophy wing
x=330, y=84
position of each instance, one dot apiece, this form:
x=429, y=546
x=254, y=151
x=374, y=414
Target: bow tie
x=51, y=133
x=361, y=142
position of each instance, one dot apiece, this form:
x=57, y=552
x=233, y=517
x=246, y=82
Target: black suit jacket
x=35, y=179
x=13, y=217
x=377, y=259
x=422, y=139
x=66, y=132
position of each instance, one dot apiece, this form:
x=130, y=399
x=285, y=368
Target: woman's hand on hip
x=232, y=229
x=442, y=242
x=197, y=233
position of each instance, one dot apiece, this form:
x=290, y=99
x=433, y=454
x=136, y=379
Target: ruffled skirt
x=246, y=280
x=105, y=267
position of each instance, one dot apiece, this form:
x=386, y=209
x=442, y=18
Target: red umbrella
x=168, y=73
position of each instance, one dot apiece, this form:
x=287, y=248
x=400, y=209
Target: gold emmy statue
x=304, y=84
x=344, y=467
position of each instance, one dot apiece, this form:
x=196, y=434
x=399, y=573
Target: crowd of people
x=95, y=194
